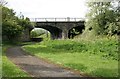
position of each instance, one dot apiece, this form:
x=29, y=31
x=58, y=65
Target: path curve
x=37, y=67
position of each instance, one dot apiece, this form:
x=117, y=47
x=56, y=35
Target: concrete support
x=64, y=34
x=60, y=35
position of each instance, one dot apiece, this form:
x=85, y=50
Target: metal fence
x=55, y=19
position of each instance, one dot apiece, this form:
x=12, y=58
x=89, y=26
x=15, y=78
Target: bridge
x=60, y=28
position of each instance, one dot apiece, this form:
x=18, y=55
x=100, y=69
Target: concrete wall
x=25, y=35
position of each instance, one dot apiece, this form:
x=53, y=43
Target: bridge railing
x=55, y=19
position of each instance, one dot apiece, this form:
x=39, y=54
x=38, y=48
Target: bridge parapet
x=68, y=19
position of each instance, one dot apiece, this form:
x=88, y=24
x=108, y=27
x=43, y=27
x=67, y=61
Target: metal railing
x=55, y=19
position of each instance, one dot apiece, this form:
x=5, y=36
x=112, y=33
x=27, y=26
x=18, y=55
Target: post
x=35, y=20
x=55, y=19
x=68, y=18
x=46, y=19
x=75, y=19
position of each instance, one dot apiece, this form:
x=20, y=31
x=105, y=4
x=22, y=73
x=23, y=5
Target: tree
x=11, y=30
x=101, y=18
x=13, y=26
x=10, y=27
x=25, y=23
x=117, y=10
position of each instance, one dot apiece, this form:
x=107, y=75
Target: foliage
x=25, y=23
x=33, y=34
x=13, y=26
x=46, y=36
x=11, y=29
x=37, y=32
x=97, y=58
x=102, y=18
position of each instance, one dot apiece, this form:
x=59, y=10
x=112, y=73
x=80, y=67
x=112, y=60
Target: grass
x=97, y=57
x=9, y=69
x=0, y=61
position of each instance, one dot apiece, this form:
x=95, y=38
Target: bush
x=11, y=30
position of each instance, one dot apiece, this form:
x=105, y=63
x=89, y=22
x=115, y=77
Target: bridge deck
x=57, y=19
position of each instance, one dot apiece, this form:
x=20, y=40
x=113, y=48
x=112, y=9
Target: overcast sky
x=49, y=8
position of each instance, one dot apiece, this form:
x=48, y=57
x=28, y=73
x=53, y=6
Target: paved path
x=37, y=67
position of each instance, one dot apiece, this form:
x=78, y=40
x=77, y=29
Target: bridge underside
x=55, y=32
x=60, y=30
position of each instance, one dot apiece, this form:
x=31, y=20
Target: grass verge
x=8, y=68
x=97, y=58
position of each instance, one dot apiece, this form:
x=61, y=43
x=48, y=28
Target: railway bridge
x=60, y=28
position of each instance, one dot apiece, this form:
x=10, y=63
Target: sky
x=49, y=8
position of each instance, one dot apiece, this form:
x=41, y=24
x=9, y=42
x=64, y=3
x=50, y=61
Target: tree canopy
x=12, y=25
x=103, y=17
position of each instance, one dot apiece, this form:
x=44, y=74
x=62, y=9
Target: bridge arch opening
x=75, y=31
x=55, y=33
x=38, y=34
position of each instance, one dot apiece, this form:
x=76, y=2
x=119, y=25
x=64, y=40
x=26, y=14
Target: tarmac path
x=37, y=67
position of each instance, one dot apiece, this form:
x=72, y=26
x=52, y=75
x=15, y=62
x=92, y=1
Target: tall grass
x=105, y=47
x=98, y=57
